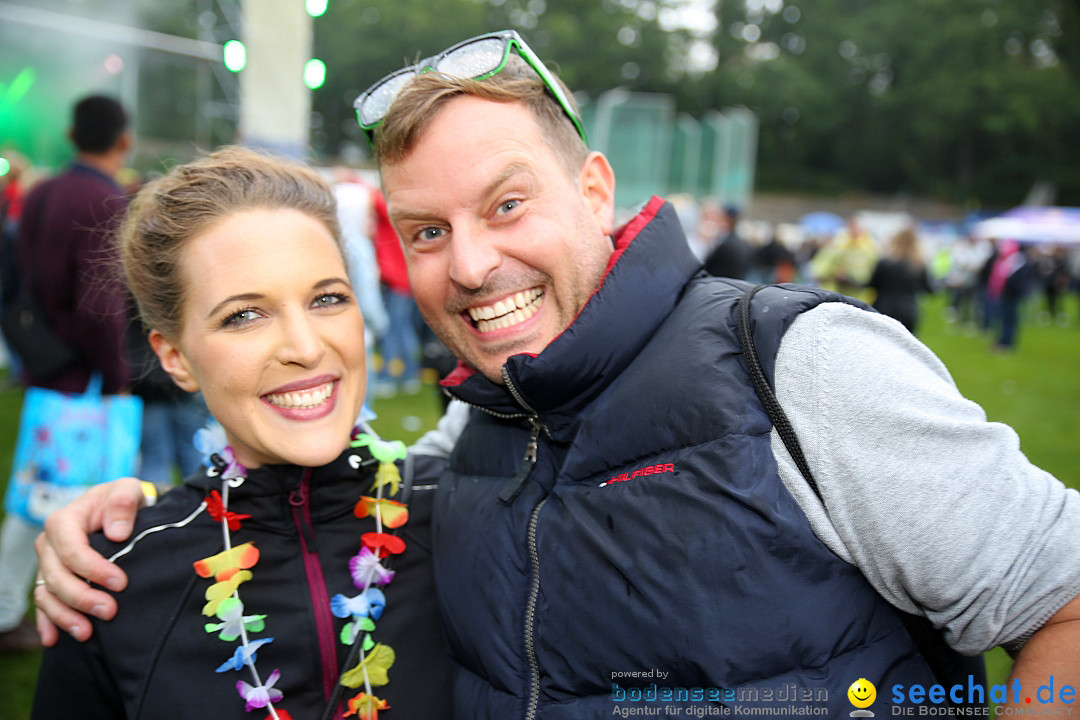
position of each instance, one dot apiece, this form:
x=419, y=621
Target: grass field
x=1036, y=390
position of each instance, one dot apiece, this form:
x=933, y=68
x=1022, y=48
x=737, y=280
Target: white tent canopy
x=1058, y=225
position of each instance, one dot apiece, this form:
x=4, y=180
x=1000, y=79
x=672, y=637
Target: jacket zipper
x=508, y=493
x=299, y=499
x=511, y=490
x=514, y=485
x=530, y=616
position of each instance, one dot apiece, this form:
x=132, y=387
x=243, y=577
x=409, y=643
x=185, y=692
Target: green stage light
x=314, y=73
x=20, y=85
x=235, y=55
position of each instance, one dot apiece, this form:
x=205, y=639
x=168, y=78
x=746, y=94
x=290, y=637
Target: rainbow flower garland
x=232, y=567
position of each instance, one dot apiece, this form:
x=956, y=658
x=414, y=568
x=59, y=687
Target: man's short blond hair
x=422, y=99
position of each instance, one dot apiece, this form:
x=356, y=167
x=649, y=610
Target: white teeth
x=509, y=311
x=305, y=399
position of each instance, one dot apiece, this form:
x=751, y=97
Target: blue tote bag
x=68, y=442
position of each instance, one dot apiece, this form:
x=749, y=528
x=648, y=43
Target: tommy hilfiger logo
x=640, y=472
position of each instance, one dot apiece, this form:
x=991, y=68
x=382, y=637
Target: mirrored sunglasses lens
x=372, y=107
x=473, y=60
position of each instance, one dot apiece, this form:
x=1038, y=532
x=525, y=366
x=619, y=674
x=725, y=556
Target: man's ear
x=125, y=142
x=173, y=361
x=598, y=187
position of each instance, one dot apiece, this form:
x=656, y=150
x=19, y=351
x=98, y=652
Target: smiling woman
x=276, y=347
x=237, y=268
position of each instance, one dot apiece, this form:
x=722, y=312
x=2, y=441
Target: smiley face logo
x=862, y=693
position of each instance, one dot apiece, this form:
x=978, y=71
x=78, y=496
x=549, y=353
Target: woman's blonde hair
x=904, y=246
x=188, y=201
x=421, y=100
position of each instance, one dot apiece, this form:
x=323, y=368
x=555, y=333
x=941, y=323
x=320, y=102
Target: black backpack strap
x=948, y=667
x=765, y=392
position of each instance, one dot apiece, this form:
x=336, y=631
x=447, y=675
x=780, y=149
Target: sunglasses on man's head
x=476, y=58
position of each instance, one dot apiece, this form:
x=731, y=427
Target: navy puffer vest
x=652, y=551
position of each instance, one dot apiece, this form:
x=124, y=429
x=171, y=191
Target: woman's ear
x=598, y=187
x=173, y=361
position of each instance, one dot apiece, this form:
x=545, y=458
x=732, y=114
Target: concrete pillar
x=275, y=105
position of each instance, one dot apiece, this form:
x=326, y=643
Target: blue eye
x=426, y=238
x=240, y=318
x=507, y=206
x=330, y=299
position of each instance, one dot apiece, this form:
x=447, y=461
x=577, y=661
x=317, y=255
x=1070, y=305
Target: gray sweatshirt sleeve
x=440, y=441
x=937, y=507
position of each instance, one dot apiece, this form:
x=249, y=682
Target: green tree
x=594, y=46
x=362, y=40
x=960, y=98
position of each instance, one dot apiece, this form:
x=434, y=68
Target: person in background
x=1052, y=271
x=11, y=192
x=730, y=257
x=966, y=258
x=899, y=278
x=773, y=262
x=356, y=217
x=1072, y=263
x=12, y=196
x=399, y=345
x=1009, y=282
x=845, y=263
x=64, y=240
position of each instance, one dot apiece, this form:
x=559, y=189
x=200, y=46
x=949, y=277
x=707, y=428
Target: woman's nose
x=301, y=342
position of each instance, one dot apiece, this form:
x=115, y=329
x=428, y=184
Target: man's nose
x=473, y=256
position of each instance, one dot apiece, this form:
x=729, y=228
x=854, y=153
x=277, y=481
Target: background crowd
x=991, y=284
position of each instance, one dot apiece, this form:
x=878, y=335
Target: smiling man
x=593, y=355
x=504, y=245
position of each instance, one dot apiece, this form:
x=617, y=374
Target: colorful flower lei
x=232, y=567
